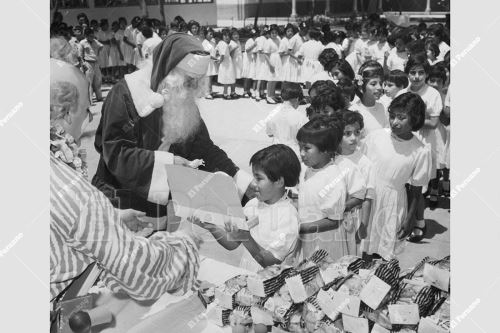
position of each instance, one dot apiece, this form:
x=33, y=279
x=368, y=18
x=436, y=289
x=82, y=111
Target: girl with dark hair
x=369, y=81
x=129, y=43
x=336, y=39
x=226, y=75
x=398, y=157
x=272, y=72
x=292, y=70
x=342, y=70
x=432, y=133
x=248, y=71
x=274, y=238
x=236, y=56
x=328, y=59
x=308, y=55
x=398, y=56
x=213, y=66
x=193, y=28
x=285, y=53
x=261, y=63
x=378, y=50
x=432, y=52
x=322, y=187
x=438, y=33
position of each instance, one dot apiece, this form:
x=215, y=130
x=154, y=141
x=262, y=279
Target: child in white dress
x=398, y=157
x=322, y=188
x=283, y=49
x=261, y=63
x=431, y=133
x=213, y=66
x=129, y=43
x=227, y=75
x=378, y=50
x=237, y=55
x=337, y=37
x=370, y=90
x=248, y=71
x=292, y=69
x=273, y=219
x=286, y=120
x=308, y=54
x=357, y=221
x=397, y=57
x=272, y=70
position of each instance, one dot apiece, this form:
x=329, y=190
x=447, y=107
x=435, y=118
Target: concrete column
x=294, y=10
x=327, y=7
x=428, y=7
x=355, y=6
x=380, y=6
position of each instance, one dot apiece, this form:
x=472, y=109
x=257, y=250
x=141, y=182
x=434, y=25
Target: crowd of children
x=373, y=140
x=349, y=175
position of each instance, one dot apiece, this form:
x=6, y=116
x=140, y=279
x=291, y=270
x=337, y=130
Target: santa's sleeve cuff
x=159, y=190
x=242, y=180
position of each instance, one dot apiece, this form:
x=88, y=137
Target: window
x=121, y=3
x=187, y=1
x=68, y=4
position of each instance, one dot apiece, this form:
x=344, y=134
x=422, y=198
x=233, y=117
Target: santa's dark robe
x=126, y=143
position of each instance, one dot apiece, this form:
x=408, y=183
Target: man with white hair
x=149, y=117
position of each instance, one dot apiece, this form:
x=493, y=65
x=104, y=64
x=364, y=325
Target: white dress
x=397, y=60
x=310, y=51
x=271, y=48
x=127, y=50
x=284, y=123
x=377, y=51
x=366, y=169
x=248, y=70
x=374, y=117
x=283, y=47
x=277, y=231
x=356, y=188
x=226, y=67
x=436, y=137
x=291, y=68
x=443, y=49
x=149, y=45
x=322, y=194
x=103, y=56
x=114, y=54
x=213, y=67
x=321, y=76
x=261, y=66
x=237, y=58
x=395, y=163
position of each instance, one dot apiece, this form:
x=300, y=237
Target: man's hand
x=131, y=219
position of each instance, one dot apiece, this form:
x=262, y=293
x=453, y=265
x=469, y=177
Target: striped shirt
x=85, y=227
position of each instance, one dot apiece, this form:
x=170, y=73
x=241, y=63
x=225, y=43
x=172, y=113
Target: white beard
x=181, y=119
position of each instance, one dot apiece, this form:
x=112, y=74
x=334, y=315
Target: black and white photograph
x=250, y=166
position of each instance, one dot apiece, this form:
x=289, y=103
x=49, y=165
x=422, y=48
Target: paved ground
x=230, y=124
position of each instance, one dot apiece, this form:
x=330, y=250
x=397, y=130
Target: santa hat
x=177, y=50
x=172, y=52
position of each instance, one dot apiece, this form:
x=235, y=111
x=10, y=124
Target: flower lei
x=64, y=148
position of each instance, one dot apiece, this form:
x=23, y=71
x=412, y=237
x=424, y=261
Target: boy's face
x=417, y=77
x=265, y=189
x=90, y=37
x=350, y=140
x=390, y=89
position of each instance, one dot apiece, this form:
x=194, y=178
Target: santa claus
x=151, y=119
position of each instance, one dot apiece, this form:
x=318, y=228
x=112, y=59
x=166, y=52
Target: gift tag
x=354, y=324
x=426, y=325
x=379, y=329
x=363, y=273
x=261, y=316
x=374, y=292
x=333, y=272
x=346, y=304
x=437, y=277
x=404, y=314
x=296, y=288
x=327, y=305
x=256, y=286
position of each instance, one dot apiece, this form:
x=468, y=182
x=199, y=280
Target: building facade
x=203, y=11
